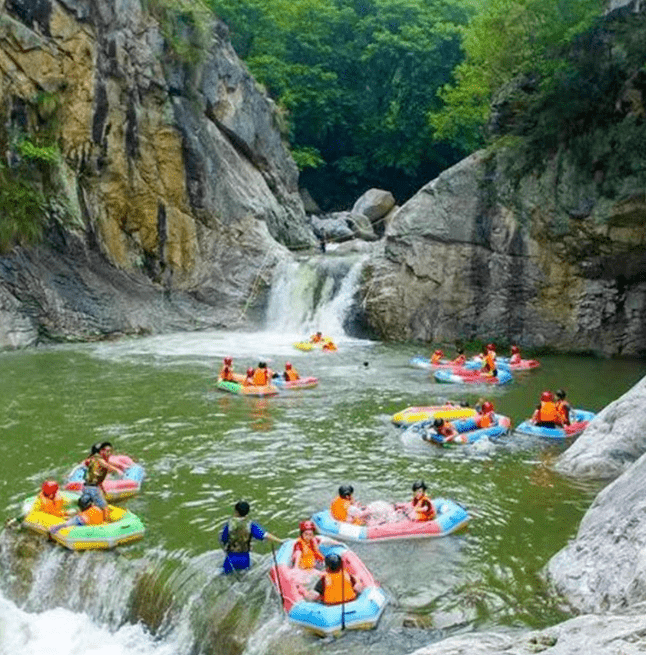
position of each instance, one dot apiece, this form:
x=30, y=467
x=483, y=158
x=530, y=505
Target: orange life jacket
x=339, y=508
x=261, y=377
x=435, y=358
x=486, y=420
x=548, y=413
x=489, y=361
x=337, y=588
x=423, y=508
x=315, y=338
x=309, y=553
x=291, y=375
x=563, y=411
x=226, y=373
x=328, y=345
x=51, y=506
x=92, y=515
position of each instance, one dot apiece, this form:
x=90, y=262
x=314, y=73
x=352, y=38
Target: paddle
x=342, y=595
x=280, y=586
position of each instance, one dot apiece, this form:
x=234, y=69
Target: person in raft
x=336, y=585
x=460, y=357
x=49, y=500
x=489, y=367
x=445, y=429
x=306, y=554
x=546, y=415
x=563, y=407
x=316, y=338
x=290, y=374
x=343, y=508
x=262, y=375
x=515, y=356
x=485, y=417
x=89, y=514
x=248, y=381
x=98, y=467
x=329, y=345
x=436, y=357
x=422, y=509
x=236, y=538
x=226, y=372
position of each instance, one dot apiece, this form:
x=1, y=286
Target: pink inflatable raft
x=115, y=488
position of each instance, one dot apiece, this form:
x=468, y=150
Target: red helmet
x=487, y=406
x=228, y=361
x=50, y=487
x=439, y=352
x=515, y=349
x=306, y=525
x=547, y=397
x=250, y=371
x=491, y=346
x=288, y=365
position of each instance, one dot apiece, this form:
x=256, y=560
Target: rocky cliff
x=177, y=189
x=549, y=252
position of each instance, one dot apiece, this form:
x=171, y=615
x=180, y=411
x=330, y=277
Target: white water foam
x=61, y=632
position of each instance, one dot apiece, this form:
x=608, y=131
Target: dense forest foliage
x=389, y=93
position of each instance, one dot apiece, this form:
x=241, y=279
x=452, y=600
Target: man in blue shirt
x=236, y=538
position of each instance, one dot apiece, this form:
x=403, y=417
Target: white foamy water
x=61, y=632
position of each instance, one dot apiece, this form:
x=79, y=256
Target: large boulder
x=615, y=439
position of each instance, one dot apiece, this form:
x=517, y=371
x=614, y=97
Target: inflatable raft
x=461, y=375
x=503, y=362
x=450, y=516
x=468, y=431
x=301, y=383
x=124, y=527
x=425, y=363
x=448, y=412
x=579, y=421
x=115, y=488
x=246, y=390
x=362, y=613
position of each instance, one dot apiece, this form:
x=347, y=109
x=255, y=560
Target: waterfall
x=316, y=294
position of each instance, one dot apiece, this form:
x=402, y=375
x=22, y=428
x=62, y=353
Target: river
x=154, y=398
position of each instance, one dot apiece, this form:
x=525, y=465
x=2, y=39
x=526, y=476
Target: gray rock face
x=613, y=440
x=175, y=171
x=471, y=257
x=597, y=635
x=604, y=568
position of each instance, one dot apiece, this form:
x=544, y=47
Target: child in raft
x=306, y=553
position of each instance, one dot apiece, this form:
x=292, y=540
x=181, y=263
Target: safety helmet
x=419, y=484
x=439, y=352
x=288, y=365
x=306, y=525
x=438, y=422
x=491, y=346
x=333, y=561
x=560, y=394
x=85, y=501
x=228, y=361
x=547, y=397
x=250, y=371
x=96, y=447
x=487, y=406
x=49, y=488
x=346, y=490
x=515, y=349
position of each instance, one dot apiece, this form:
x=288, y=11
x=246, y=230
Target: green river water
x=203, y=450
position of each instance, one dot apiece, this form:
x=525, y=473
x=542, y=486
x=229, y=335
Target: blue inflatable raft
x=468, y=431
x=579, y=421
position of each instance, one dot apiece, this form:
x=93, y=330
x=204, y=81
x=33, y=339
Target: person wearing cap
x=336, y=585
x=306, y=553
